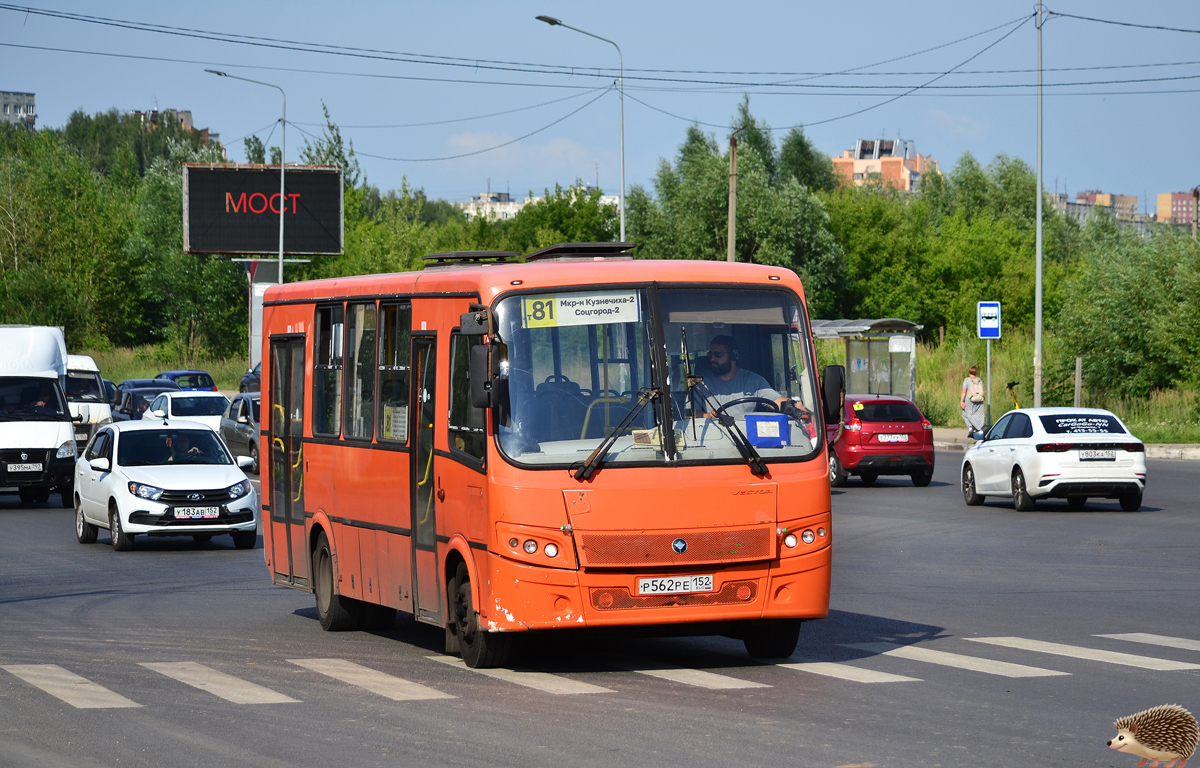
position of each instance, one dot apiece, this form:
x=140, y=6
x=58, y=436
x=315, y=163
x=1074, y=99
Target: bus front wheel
x=480, y=649
x=335, y=612
x=776, y=640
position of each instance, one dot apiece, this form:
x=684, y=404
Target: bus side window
x=360, y=383
x=327, y=371
x=395, y=322
x=468, y=425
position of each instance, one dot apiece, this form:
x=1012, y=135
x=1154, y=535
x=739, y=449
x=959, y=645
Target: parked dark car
x=135, y=401
x=189, y=379
x=883, y=435
x=252, y=381
x=128, y=384
x=239, y=427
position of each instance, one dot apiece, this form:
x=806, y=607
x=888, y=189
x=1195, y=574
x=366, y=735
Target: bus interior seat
x=558, y=409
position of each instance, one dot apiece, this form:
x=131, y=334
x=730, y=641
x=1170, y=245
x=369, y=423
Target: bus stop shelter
x=881, y=355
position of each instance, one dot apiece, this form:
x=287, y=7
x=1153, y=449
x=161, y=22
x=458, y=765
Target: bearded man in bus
x=730, y=382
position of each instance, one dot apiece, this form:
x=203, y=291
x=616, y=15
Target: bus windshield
x=579, y=365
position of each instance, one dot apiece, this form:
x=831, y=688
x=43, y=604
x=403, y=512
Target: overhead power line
x=1124, y=23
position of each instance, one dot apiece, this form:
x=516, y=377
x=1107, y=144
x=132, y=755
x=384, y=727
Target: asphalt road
x=914, y=569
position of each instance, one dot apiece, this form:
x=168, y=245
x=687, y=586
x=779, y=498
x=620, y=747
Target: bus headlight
x=808, y=537
x=789, y=541
x=530, y=546
x=551, y=550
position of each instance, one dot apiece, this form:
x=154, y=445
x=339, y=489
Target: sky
x=524, y=105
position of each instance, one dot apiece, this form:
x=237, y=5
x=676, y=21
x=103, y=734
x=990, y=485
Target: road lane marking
x=225, y=686
x=957, y=660
x=697, y=677
x=539, y=681
x=373, y=680
x=77, y=691
x=845, y=671
x=1090, y=654
x=1163, y=640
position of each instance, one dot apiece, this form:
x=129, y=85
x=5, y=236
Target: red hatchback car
x=883, y=435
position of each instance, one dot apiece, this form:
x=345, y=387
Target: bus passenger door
x=427, y=593
x=289, y=548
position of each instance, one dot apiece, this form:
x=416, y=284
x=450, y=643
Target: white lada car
x=162, y=478
x=1062, y=453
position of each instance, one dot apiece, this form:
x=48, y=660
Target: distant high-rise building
x=894, y=163
x=18, y=108
x=1175, y=207
x=1123, y=207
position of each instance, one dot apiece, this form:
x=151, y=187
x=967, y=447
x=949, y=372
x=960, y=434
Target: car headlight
x=143, y=491
x=66, y=450
x=238, y=490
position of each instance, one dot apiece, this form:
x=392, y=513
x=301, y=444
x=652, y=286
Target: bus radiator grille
x=618, y=598
x=640, y=549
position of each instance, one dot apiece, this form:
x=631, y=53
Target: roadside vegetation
x=90, y=239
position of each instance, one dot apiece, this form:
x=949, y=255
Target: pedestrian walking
x=972, y=401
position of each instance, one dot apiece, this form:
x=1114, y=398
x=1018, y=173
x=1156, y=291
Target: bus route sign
x=567, y=309
x=987, y=319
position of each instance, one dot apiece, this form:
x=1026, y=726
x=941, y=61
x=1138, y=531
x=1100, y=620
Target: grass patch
x=147, y=362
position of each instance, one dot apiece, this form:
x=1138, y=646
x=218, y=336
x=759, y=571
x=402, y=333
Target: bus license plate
x=893, y=438
x=1098, y=455
x=200, y=512
x=24, y=467
x=675, y=585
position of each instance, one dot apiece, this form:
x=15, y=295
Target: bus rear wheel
x=335, y=612
x=776, y=640
x=479, y=649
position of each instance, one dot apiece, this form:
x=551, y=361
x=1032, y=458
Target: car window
x=893, y=412
x=1081, y=424
x=1019, y=427
x=254, y=409
x=160, y=404
x=198, y=406
x=997, y=431
x=99, y=443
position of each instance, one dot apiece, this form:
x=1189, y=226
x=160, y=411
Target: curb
x=1174, y=451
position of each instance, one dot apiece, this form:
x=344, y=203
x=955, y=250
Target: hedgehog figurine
x=1165, y=733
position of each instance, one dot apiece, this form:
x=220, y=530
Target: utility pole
x=730, y=256
x=1195, y=209
x=1037, y=340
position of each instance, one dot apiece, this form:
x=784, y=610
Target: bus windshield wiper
x=593, y=461
x=753, y=459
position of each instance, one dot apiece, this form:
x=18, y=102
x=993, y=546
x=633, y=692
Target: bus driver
x=729, y=382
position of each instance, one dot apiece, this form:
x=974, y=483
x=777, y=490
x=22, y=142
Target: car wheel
x=244, y=539
x=336, y=612
x=241, y=388
x=121, y=541
x=26, y=495
x=1131, y=502
x=254, y=455
x=84, y=531
x=776, y=640
x=923, y=478
x=1076, y=502
x=970, y=496
x=41, y=495
x=1022, y=501
x=869, y=478
x=67, y=497
x=479, y=649
x=837, y=473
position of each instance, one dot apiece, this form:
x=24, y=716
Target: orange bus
x=579, y=440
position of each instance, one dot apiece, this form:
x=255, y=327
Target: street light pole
x=1037, y=340
x=621, y=90
x=282, y=157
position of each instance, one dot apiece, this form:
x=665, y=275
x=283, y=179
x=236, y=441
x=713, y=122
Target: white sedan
x=193, y=405
x=160, y=479
x=1061, y=453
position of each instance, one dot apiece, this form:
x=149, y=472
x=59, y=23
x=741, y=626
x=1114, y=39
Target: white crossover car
x=162, y=478
x=193, y=405
x=1063, y=453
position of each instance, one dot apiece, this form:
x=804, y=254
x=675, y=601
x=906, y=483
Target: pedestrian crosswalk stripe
x=845, y=671
x=1163, y=640
x=219, y=684
x=957, y=660
x=540, y=681
x=1090, y=654
x=77, y=691
x=697, y=677
x=373, y=680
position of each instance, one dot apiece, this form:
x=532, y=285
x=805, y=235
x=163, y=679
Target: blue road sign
x=987, y=319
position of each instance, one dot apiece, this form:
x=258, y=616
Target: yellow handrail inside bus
x=428, y=469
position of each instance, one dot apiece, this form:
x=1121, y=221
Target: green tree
x=255, y=151
x=800, y=160
x=571, y=215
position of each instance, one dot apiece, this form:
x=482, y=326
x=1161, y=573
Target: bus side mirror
x=833, y=393
x=474, y=323
x=485, y=376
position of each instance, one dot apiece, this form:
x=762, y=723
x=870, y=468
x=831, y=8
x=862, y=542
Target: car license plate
x=675, y=585
x=1090, y=455
x=24, y=467
x=81, y=437
x=893, y=438
x=197, y=512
